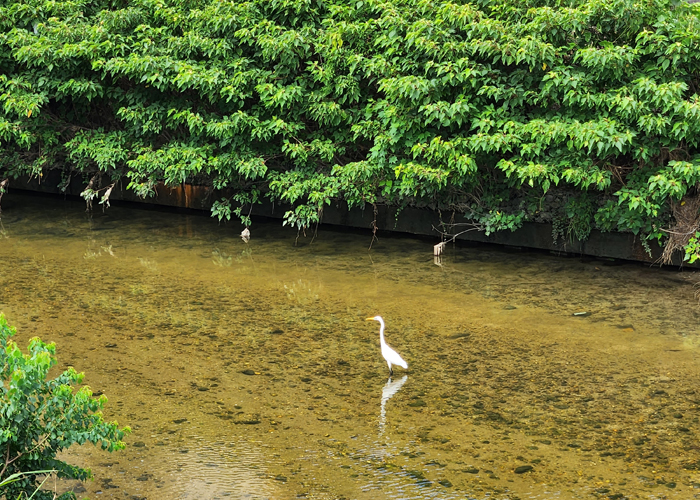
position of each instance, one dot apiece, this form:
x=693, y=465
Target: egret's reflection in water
x=391, y=388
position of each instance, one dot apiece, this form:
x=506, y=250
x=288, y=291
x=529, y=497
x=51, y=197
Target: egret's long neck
x=381, y=332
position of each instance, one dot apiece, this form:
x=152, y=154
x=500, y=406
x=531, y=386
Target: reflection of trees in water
x=224, y=259
x=92, y=253
x=94, y=249
x=246, y=253
x=148, y=264
x=302, y=291
x=220, y=258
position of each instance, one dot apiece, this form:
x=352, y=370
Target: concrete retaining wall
x=409, y=220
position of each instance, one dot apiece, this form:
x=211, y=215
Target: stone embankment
x=417, y=221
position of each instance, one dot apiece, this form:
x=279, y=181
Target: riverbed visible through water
x=248, y=371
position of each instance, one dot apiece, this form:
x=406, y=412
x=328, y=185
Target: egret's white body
x=391, y=356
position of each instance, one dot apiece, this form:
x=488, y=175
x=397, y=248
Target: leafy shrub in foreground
x=40, y=417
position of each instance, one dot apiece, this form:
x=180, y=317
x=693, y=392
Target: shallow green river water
x=248, y=370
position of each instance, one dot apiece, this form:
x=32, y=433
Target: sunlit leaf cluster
x=42, y=416
x=405, y=102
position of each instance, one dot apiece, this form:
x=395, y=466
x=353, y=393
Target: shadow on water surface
x=248, y=371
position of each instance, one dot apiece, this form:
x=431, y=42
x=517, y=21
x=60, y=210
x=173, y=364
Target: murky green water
x=248, y=371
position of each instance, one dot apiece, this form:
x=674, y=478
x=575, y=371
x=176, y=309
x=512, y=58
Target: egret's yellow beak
x=369, y=319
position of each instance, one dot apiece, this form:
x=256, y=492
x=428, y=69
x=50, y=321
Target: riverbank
x=410, y=220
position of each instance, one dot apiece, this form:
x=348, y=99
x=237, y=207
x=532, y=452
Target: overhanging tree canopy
x=451, y=104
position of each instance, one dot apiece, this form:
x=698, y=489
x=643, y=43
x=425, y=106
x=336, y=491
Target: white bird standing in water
x=391, y=356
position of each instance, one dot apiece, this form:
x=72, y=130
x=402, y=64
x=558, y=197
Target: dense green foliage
x=463, y=105
x=40, y=417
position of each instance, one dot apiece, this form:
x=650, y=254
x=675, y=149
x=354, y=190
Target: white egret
x=391, y=356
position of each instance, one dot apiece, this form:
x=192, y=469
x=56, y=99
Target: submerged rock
x=460, y=335
x=247, y=421
x=418, y=403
